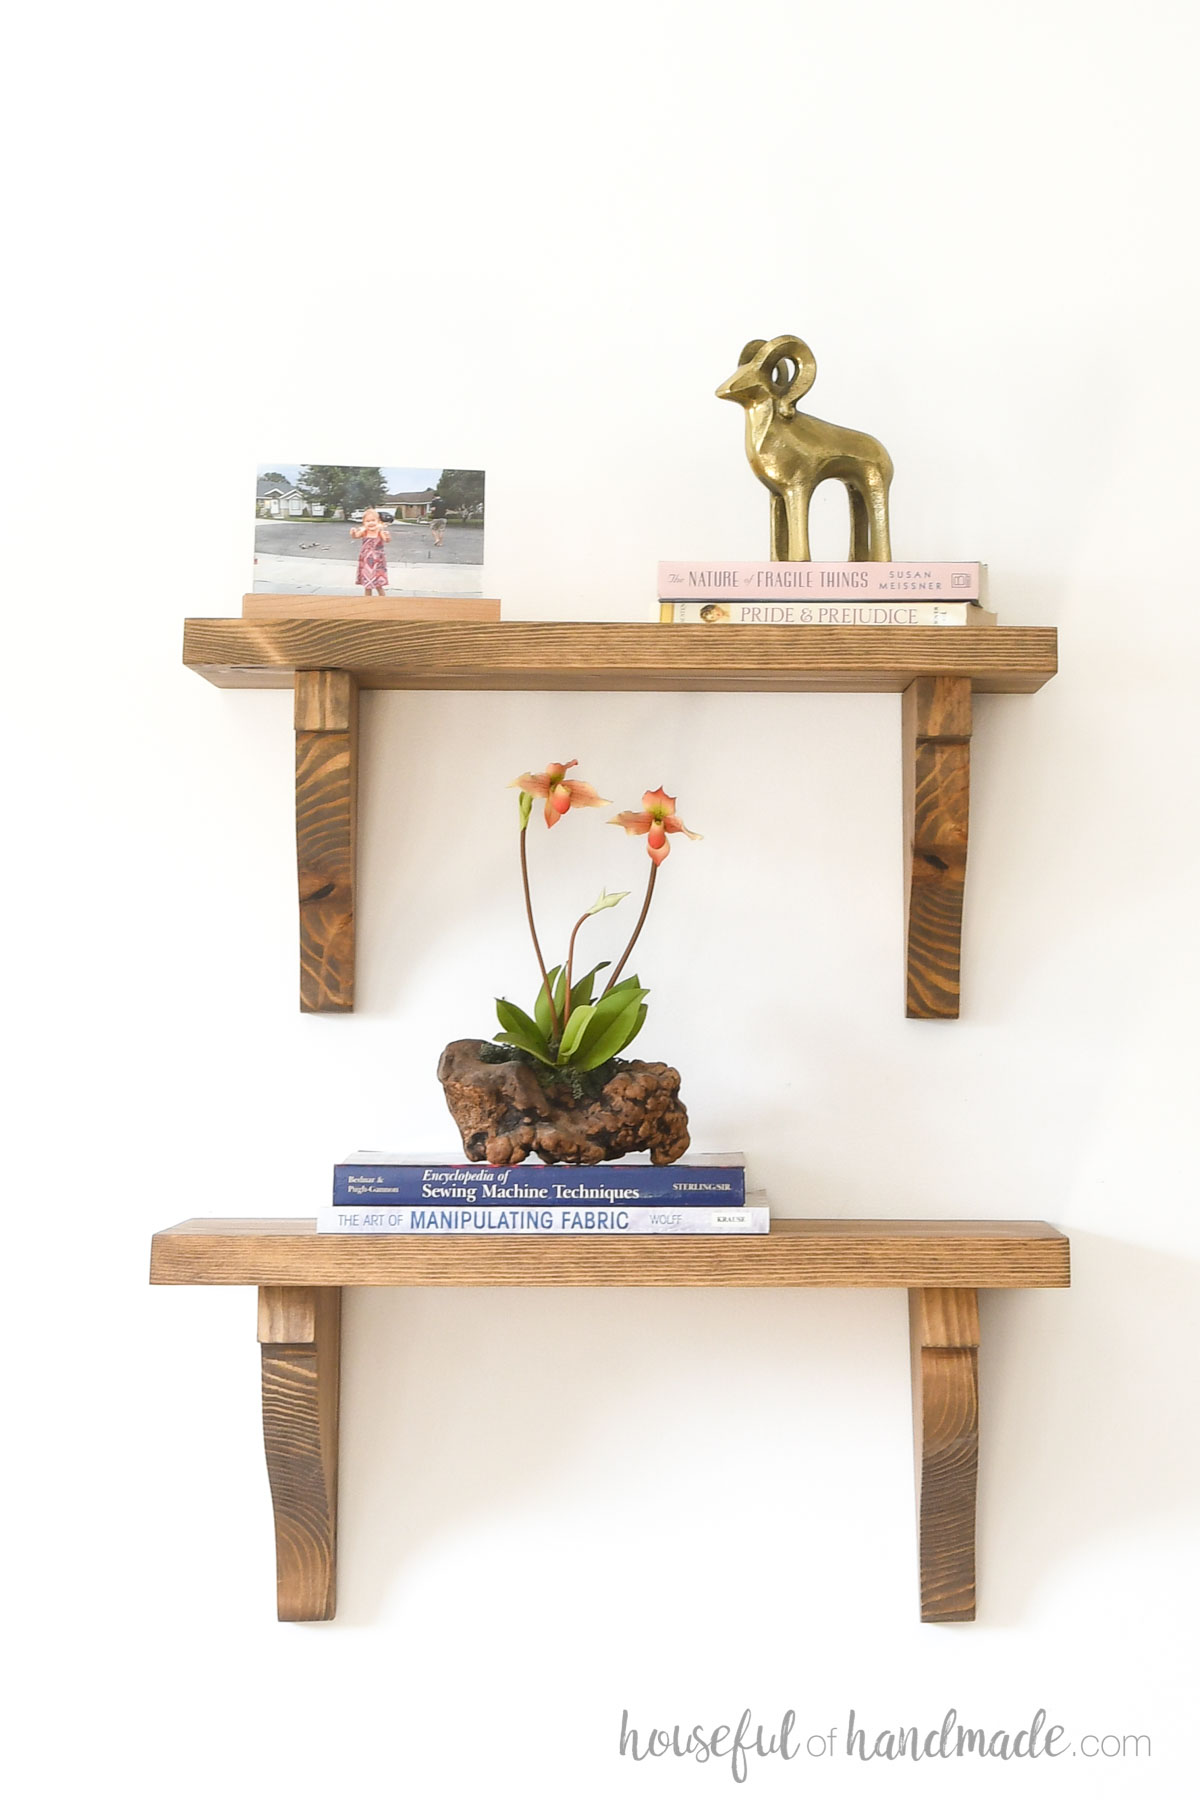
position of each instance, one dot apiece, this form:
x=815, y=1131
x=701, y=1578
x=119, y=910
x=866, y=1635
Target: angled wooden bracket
x=944, y=1325
x=937, y=785
x=299, y=1329
x=326, y=809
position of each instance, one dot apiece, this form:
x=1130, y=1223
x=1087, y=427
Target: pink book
x=821, y=580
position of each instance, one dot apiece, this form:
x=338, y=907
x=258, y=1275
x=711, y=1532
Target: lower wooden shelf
x=300, y=1274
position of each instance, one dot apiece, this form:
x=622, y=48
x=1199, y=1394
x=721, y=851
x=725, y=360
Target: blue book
x=372, y=1178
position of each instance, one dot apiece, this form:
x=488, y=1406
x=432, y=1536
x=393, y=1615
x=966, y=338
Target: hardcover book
x=823, y=612
x=372, y=1179
x=821, y=580
x=552, y=1221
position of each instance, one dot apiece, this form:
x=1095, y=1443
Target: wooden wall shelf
x=300, y=1276
x=327, y=663
x=668, y=659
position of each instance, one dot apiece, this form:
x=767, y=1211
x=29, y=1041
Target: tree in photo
x=333, y=484
x=462, y=490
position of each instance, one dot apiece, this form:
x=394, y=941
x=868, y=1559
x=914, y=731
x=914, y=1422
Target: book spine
x=821, y=581
x=825, y=612
x=364, y=1184
x=546, y=1221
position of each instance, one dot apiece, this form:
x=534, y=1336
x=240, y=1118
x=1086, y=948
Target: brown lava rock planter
x=505, y=1114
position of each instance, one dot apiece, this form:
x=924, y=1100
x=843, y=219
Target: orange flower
x=655, y=823
x=559, y=794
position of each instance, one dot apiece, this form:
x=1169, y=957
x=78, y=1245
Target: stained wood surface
x=979, y=1253
x=945, y=1363
x=300, y=1333
x=326, y=829
x=321, y=606
x=937, y=782
x=617, y=657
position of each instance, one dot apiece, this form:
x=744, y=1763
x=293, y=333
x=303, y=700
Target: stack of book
x=385, y=1192
x=811, y=593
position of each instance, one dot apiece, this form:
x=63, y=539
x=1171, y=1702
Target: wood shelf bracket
x=300, y=1274
x=326, y=835
x=327, y=660
x=299, y=1329
x=937, y=784
x=944, y=1328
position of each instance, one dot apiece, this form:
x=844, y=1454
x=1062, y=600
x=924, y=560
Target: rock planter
x=506, y=1111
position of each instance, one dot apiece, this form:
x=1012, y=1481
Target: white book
x=864, y=613
x=545, y=1221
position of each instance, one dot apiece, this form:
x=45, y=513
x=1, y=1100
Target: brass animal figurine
x=791, y=452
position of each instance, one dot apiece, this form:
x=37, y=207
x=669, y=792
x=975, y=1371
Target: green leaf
x=637, y=1026
x=577, y=1024
x=525, y=803
x=581, y=993
x=626, y=987
x=613, y=1038
x=541, y=1008
x=520, y=1029
x=603, y=1013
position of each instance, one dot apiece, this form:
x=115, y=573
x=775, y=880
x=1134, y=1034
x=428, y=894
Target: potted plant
x=555, y=1082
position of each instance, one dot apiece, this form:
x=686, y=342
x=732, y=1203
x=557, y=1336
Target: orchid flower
x=567, y=1027
x=654, y=824
x=559, y=794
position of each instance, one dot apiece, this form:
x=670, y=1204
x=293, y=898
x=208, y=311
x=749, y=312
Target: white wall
x=557, y=1505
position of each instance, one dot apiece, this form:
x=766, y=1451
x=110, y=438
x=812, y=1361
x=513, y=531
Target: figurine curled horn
x=791, y=452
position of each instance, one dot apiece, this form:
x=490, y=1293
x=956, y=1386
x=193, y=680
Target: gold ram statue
x=791, y=452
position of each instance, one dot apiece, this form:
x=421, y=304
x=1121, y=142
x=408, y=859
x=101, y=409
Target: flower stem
x=537, y=948
x=570, y=969
x=637, y=928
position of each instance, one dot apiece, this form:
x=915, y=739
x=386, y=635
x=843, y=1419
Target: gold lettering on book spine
x=792, y=452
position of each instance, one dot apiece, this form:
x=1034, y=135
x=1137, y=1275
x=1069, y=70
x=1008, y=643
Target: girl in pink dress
x=372, y=573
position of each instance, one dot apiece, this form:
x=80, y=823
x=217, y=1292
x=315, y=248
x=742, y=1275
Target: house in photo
x=410, y=506
x=284, y=500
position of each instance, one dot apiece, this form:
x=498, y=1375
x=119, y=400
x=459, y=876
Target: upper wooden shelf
x=242, y=653
x=833, y=1253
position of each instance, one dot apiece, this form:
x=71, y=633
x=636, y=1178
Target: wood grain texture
x=945, y=1364
x=937, y=781
x=322, y=606
x=286, y=1316
x=978, y=1253
x=326, y=830
x=533, y=657
x=300, y=1377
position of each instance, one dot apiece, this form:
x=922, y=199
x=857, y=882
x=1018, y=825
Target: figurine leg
x=795, y=502
x=779, y=530
x=877, y=500
x=860, y=526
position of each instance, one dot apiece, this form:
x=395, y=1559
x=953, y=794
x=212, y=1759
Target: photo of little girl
x=372, y=573
x=417, y=533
